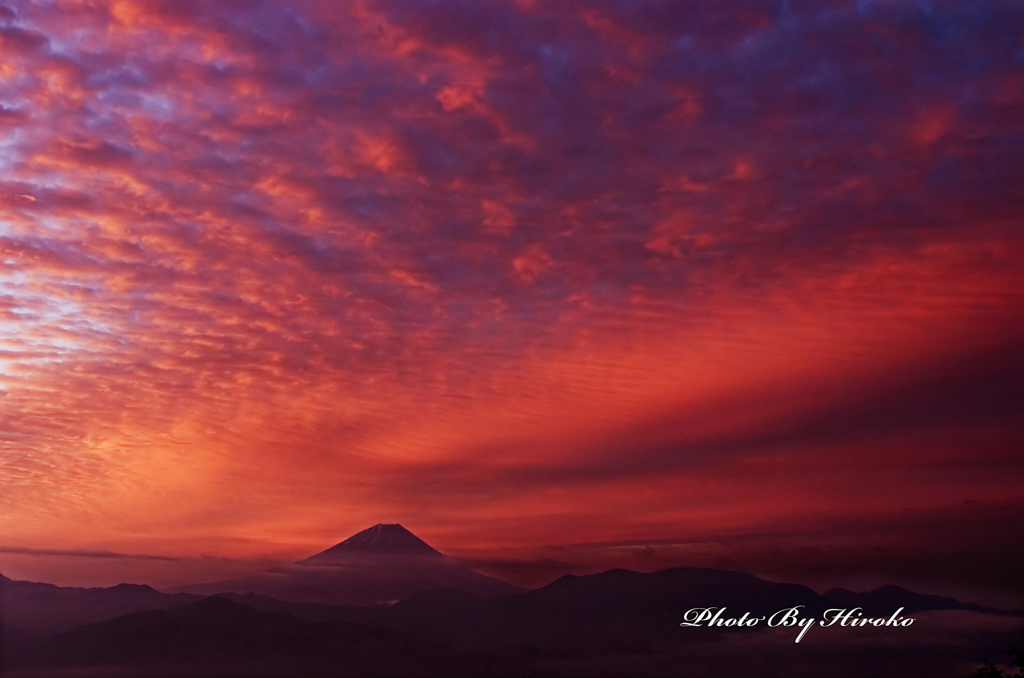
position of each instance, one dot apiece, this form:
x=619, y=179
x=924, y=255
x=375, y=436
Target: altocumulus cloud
x=279, y=269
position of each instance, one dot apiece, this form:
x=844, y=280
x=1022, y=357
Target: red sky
x=557, y=286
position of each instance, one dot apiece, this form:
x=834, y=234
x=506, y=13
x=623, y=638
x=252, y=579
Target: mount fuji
x=381, y=564
x=381, y=540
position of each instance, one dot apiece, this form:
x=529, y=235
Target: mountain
x=215, y=631
x=617, y=623
x=41, y=610
x=890, y=597
x=381, y=539
x=618, y=611
x=615, y=611
x=381, y=564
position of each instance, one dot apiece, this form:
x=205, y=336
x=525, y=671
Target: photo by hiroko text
x=791, y=616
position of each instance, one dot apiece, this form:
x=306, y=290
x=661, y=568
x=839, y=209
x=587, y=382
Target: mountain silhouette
x=381, y=564
x=218, y=631
x=33, y=609
x=890, y=597
x=614, y=611
x=380, y=539
x=616, y=623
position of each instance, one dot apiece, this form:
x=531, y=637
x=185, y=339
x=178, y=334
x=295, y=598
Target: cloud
x=74, y=553
x=282, y=270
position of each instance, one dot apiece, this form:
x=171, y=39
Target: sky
x=558, y=286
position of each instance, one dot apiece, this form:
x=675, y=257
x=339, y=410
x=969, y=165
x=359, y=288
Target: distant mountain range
x=216, y=631
x=617, y=618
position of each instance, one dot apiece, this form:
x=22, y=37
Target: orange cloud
x=275, y=272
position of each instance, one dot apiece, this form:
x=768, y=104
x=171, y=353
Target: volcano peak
x=381, y=539
x=382, y=563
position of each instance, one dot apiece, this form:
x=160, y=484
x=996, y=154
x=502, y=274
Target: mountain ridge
x=584, y=618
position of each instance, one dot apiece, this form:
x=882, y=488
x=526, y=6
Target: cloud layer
x=510, y=273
